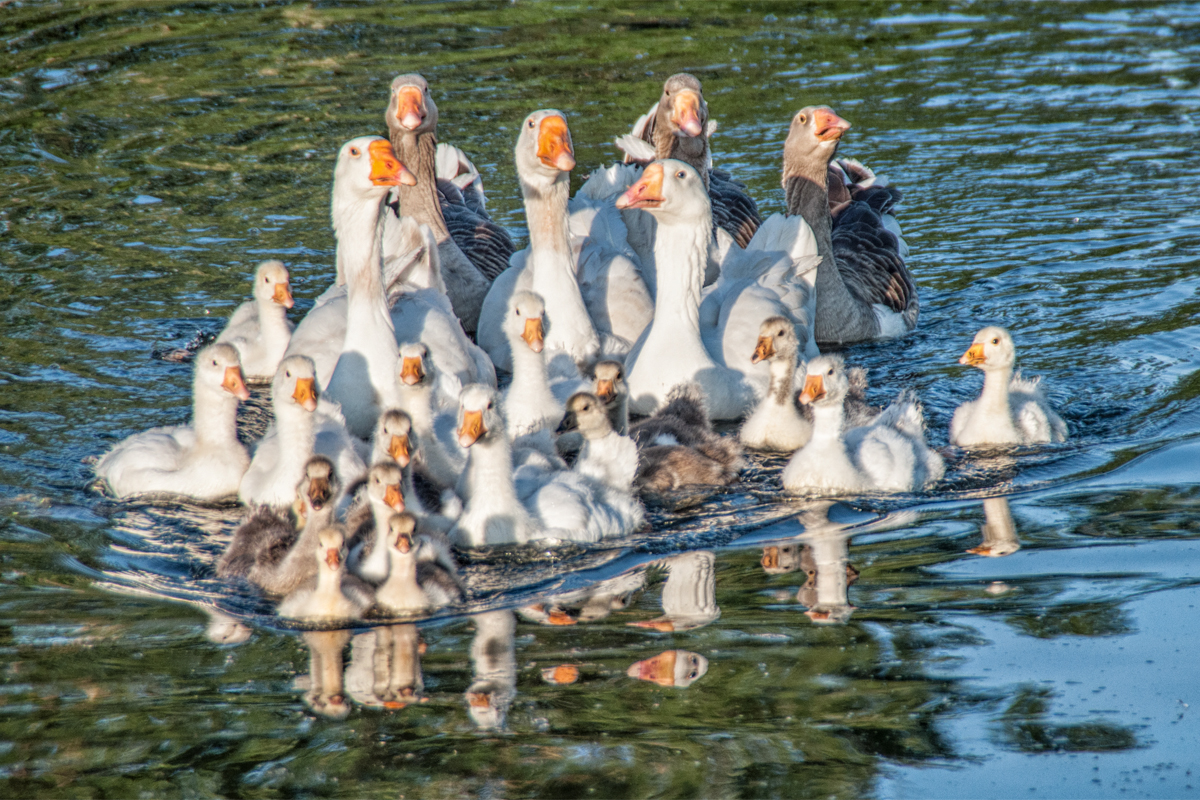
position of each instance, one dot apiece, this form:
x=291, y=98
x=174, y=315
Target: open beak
x=770, y=558
x=398, y=449
x=412, y=371
x=974, y=356
x=386, y=169
x=283, y=295
x=606, y=391
x=685, y=113
x=533, y=335
x=554, y=144
x=814, y=389
x=471, y=428
x=333, y=558
x=764, y=350
x=305, y=395
x=404, y=543
x=319, y=492
x=393, y=497
x=410, y=107
x=828, y=125
x=660, y=669
x=647, y=192
x=235, y=384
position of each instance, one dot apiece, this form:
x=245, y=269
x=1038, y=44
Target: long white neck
x=329, y=581
x=214, y=418
x=530, y=384
x=827, y=435
x=493, y=513
x=994, y=397
x=296, y=431
x=681, y=251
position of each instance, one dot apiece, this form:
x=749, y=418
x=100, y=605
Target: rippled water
x=152, y=153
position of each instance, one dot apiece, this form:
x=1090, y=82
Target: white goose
x=260, y=329
x=202, y=461
x=416, y=580
x=439, y=460
x=367, y=522
x=1010, y=409
x=889, y=455
x=777, y=424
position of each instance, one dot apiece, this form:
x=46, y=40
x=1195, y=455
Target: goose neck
x=681, y=252
x=995, y=389
x=783, y=376
x=214, y=418
x=418, y=152
x=296, y=430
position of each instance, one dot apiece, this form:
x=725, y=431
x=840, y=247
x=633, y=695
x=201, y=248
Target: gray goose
x=473, y=249
x=678, y=127
x=870, y=293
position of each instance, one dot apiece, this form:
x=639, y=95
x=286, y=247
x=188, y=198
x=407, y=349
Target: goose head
x=401, y=530
x=825, y=382
x=366, y=169
x=682, y=106
x=609, y=381
x=411, y=109
x=219, y=370
x=317, y=489
x=525, y=324
x=670, y=190
x=331, y=549
x=272, y=284
x=479, y=414
x=812, y=141
x=992, y=349
x=295, y=385
x=544, y=153
x=416, y=369
x=587, y=414
x=776, y=341
x=673, y=668
x=384, y=486
x=394, y=435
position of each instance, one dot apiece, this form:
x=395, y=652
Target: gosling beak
x=660, y=625
x=479, y=699
x=412, y=371
x=235, y=384
x=393, y=497
x=660, y=669
x=647, y=192
x=471, y=429
x=685, y=113
x=814, y=389
x=398, y=449
x=403, y=542
x=764, y=349
x=606, y=390
x=974, y=356
x=770, y=558
x=305, y=394
x=533, y=334
x=554, y=144
x=386, y=169
x=410, y=107
x=320, y=492
x=561, y=675
x=569, y=423
x=828, y=125
x=333, y=558
x=283, y=295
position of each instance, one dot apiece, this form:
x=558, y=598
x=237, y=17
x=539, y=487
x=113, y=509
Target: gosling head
x=479, y=414
x=410, y=108
x=272, y=285
x=319, y=486
x=586, y=413
x=394, y=436
x=776, y=341
x=384, y=485
x=295, y=385
x=544, y=153
x=525, y=323
x=401, y=530
x=825, y=381
x=609, y=381
x=331, y=548
x=219, y=371
x=992, y=349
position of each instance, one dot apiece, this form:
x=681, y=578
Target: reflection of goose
x=259, y=328
x=325, y=695
x=689, y=597
x=385, y=667
x=674, y=668
x=587, y=605
x=999, y=531
x=827, y=601
x=494, y=662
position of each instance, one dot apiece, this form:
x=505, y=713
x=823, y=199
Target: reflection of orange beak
x=605, y=390
x=660, y=669
x=319, y=493
x=770, y=558
x=283, y=295
x=404, y=543
x=305, y=395
x=333, y=558
x=471, y=428
x=392, y=496
x=814, y=389
x=554, y=144
x=479, y=699
x=559, y=617
x=533, y=334
x=386, y=169
x=974, y=356
x=764, y=350
x=398, y=450
x=829, y=126
x=660, y=625
x=562, y=674
x=410, y=107
x=647, y=192
x=685, y=113
x=411, y=371
x=234, y=384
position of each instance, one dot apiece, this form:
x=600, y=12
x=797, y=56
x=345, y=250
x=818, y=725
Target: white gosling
x=776, y=423
x=367, y=522
x=334, y=595
x=440, y=459
x=606, y=455
x=415, y=582
x=260, y=328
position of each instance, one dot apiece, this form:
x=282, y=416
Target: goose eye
x=530, y=123
x=681, y=174
x=489, y=405
x=995, y=341
x=354, y=151
x=802, y=119
x=287, y=374
x=830, y=371
x=214, y=362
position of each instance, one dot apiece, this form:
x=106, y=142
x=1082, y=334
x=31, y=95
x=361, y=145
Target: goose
x=1010, y=409
x=534, y=503
x=326, y=693
x=367, y=521
x=830, y=574
x=671, y=668
x=473, y=249
x=419, y=575
x=606, y=456
x=777, y=424
x=609, y=386
x=260, y=329
x=689, y=596
x=202, y=461
x=385, y=667
x=869, y=293
x=268, y=551
x=889, y=455
x=616, y=307
x=334, y=595
x=303, y=425
x=422, y=389
x=677, y=446
x=706, y=339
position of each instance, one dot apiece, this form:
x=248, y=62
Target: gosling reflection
x=824, y=557
x=587, y=605
x=494, y=660
x=673, y=668
x=326, y=695
x=385, y=667
x=999, y=531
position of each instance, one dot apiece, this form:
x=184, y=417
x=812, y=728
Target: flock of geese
x=656, y=291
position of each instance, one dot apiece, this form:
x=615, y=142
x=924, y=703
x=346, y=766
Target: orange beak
x=392, y=496
x=386, y=169
x=234, y=383
x=533, y=335
x=605, y=390
x=685, y=113
x=411, y=371
x=559, y=617
x=562, y=674
x=305, y=395
x=410, y=107
x=283, y=295
x=814, y=389
x=974, y=356
x=770, y=558
x=829, y=126
x=471, y=428
x=479, y=699
x=398, y=449
x=647, y=192
x=319, y=493
x=554, y=144
x=660, y=625
x=404, y=543
x=660, y=669
x=764, y=350
x=333, y=558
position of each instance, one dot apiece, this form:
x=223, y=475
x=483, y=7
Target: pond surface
x=151, y=154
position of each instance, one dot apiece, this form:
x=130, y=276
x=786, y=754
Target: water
x=152, y=154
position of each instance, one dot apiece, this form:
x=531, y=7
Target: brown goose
x=870, y=294
x=678, y=127
x=473, y=249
